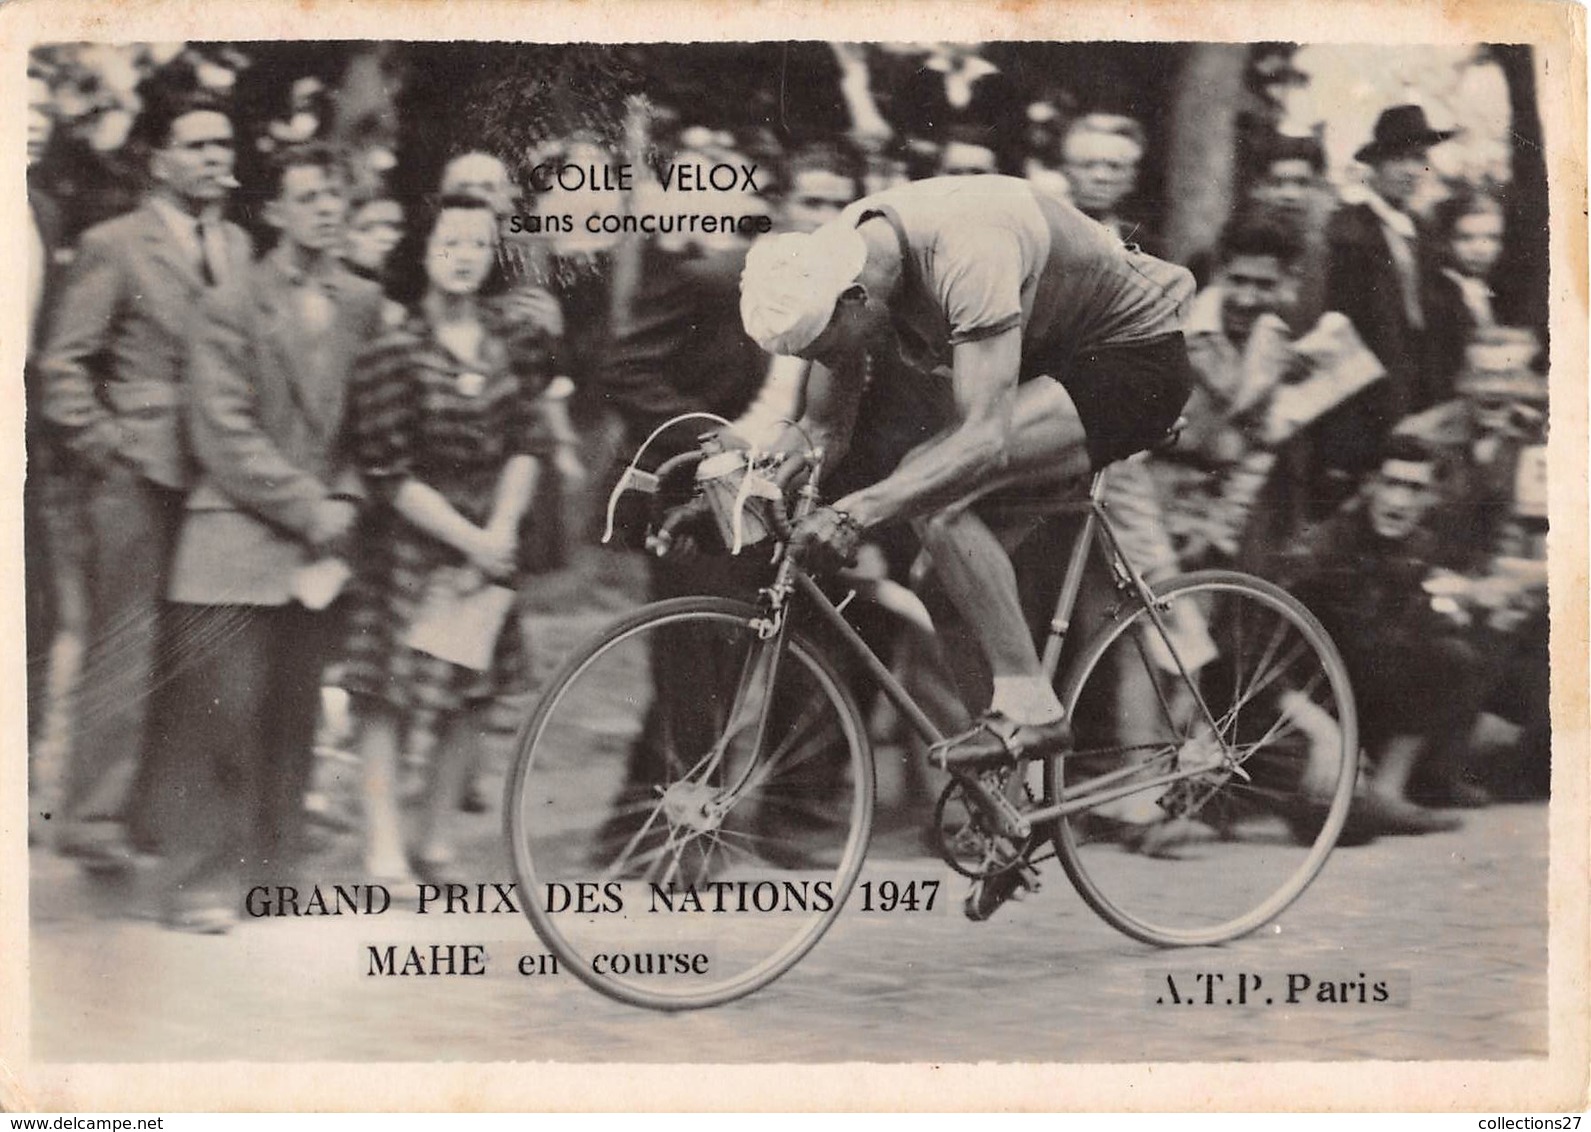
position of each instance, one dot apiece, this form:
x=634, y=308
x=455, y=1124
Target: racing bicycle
x=690, y=803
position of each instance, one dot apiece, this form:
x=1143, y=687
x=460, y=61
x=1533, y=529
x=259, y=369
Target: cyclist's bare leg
x=1044, y=450
x=963, y=647
x=977, y=602
x=973, y=564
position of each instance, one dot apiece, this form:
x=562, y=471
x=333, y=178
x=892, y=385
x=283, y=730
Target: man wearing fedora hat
x=1378, y=264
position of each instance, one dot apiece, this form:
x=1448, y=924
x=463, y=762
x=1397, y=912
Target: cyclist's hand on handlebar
x=826, y=540
x=676, y=535
x=724, y=440
x=791, y=472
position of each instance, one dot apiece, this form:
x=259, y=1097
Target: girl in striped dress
x=445, y=430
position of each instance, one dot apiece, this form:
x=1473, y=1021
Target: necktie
x=1408, y=274
x=210, y=256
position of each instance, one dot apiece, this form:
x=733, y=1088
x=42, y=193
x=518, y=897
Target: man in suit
x=44, y=237
x=114, y=388
x=274, y=506
x=45, y=213
x=1378, y=261
x=955, y=88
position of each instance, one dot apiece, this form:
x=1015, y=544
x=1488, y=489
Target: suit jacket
x=266, y=420
x=46, y=220
x=1451, y=327
x=46, y=214
x=1362, y=282
x=921, y=108
x=1366, y=590
x=679, y=346
x=114, y=359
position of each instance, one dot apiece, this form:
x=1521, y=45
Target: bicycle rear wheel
x=666, y=857
x=1255, y=802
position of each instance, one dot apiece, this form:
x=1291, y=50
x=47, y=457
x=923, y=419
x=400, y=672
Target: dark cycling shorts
x=1127, y=396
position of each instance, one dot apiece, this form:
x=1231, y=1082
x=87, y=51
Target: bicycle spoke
x=685, y=797
x=746, y=843
x=1229, y=719
x=1241, y=836
x=1264, y=742
x=1275, y=673
x=811, y=747
x=616, y=869
x=740, y=715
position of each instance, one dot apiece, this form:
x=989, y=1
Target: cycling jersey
x=988, y=253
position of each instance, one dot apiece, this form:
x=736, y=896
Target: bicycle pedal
x=1027, y=875
x=997, y=742
x=989, y=894
x=953, y=755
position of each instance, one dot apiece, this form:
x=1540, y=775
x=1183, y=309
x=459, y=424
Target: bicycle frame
x=754, y=764
x=1096, y=533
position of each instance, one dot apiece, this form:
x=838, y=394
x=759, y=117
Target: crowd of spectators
x=292, y=422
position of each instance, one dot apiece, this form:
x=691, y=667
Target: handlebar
x=739, y=497
x=728, y=499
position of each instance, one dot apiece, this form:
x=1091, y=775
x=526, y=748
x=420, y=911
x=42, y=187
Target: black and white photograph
x=794, y=542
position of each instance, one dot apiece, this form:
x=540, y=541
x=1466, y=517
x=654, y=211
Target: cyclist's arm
x=963, y=459
x=777, y=403
x=829, y=416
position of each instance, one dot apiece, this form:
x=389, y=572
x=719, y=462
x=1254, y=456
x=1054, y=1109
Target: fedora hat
x=1398, y=129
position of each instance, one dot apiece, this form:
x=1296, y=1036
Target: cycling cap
x=792, y=281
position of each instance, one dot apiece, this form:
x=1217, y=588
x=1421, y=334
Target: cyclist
x=1051, y=348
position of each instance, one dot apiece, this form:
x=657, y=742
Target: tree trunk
x=1200, y=174
x=1523, y=270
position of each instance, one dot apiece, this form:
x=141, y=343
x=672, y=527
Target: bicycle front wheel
x=689, y=805
x=1219, y=795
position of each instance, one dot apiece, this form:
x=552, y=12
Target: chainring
x=965, y=840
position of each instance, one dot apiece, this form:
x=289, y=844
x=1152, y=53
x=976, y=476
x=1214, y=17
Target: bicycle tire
x=1256, y=839
x=566, y=791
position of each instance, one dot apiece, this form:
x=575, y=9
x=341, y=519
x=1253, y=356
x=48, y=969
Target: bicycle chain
x=996, y=855
x=972, y=840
